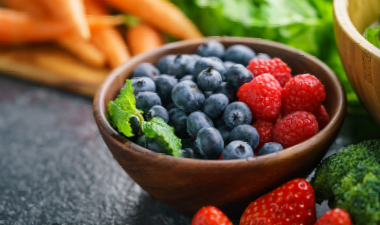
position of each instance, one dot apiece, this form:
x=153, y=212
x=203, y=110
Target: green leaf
x=123, y=109
x=372, y=35
x=157, y=128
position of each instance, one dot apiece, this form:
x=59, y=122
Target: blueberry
x=262, y=56
x=187, y=143
x=237, y=75
x=143, y=84
x=158, y=111
x=228, y=64
x=170, y=106
x=209, y=142
x=187, y=153
x=195, y=56
x=153, y=144
x=135, y=125
x=216, y=59
x=203, y=63
x=239, y=54
x=187, y=77
x=156, y=145
x=270, y=147
x=187, y=96
x=178, y=120
x=207, y=94
x=141, y=140
x=164, y=62
x=196, y=121
x=228, y=91
x=209, y=79
x=215, y=105
x=246, y=133
x=211, y=48
x=181, y=66
x=225, y=132
x=164, y=87
x=218, y=122
x=146, y=70
x=237, y=113
x=146, y=100
x=237, y=150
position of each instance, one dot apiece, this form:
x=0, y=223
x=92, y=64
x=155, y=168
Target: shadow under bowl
x=186, y=185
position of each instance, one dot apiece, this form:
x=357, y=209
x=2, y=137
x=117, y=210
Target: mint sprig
x=157, y=128
x=123, y=109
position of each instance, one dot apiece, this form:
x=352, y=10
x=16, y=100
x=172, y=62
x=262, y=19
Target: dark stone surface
x=55, y=168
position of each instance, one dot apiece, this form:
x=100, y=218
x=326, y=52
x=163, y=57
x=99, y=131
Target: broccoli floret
x=351, y=178
x=359, y=192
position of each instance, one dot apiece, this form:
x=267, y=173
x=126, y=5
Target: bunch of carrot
x=88, y=30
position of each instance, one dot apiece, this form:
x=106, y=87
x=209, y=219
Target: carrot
x=107, y=39
x=72, y=11
x=19, y=27
x=143, y=38
x=161, y=14
x=84, y=50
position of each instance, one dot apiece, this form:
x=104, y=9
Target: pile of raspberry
x=288, y=110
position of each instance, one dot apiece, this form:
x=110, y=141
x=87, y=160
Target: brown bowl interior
x=188, y=184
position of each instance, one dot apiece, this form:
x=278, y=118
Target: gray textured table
x=55, y=168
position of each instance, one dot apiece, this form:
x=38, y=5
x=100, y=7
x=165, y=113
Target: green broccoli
x=350, y=180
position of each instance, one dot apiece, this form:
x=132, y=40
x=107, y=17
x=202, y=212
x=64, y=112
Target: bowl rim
x=340, y=8
x=98, y=107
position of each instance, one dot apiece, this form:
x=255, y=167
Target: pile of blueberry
x=196, y=95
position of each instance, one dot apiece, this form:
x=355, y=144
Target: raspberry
x=264, y=128
x=322, y=117
x=274, y=66
x=302, y=93
x=263, y=96
x=295, y=128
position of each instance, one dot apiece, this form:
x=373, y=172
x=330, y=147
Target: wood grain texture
x=52, y=66
x=188, y=184
x=361, y=59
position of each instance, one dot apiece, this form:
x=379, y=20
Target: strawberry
x=335, y=217
x=291, y=203
x=210, y=215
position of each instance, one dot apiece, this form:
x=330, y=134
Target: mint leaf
x=157, y=128
x=123, y=109
x=372, y=35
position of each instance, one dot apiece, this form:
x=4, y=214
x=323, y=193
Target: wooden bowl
x=360, y=59
x=186, y=185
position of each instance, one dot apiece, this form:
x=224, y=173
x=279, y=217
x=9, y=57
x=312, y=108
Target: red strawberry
x=292, y=203
x=210, y=215
x=335, y=217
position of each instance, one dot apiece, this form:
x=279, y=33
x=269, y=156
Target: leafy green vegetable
x=303, y=24
x=123, y=109
x=372, y=35
x=157, y=128
x=350, y=180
